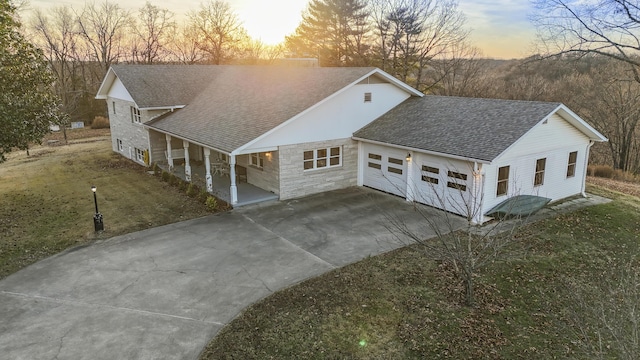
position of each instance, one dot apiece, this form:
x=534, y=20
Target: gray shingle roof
x=164, y=85
x=240, y=103
x=466, y=127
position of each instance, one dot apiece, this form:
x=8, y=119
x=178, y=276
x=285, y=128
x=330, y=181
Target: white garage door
x=385, y=169
x=443, y=186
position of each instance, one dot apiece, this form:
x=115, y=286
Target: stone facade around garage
x=267, y=178
x=296, y=182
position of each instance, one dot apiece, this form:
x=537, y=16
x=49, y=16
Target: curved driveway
x=163, y=293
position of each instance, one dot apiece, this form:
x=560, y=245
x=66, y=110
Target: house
x=295, y=131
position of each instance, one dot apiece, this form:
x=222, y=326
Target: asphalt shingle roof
x=466, y=127
x=238, y=103
x=164, y=85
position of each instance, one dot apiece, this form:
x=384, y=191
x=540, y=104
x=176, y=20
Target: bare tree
x=605, y=27
x=151, y=33
x=183, y=45
x=606, y=313
x=102, y=28
x=219, y=31
x=56, y=35
x=411, y=34
x=467, y=248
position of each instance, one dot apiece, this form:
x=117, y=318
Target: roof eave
x=106, y=84
x=430, y=152
x=579, y=123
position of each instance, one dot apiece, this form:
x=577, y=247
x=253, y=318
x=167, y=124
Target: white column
x=233, y=191
x=187, y=164
x=476, y=193
x=207, y=165
x=410, y=183
x=169, y=157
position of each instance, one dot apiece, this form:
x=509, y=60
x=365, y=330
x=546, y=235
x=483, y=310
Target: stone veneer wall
x=295, y=182
x=132, y=135
x=268, y=177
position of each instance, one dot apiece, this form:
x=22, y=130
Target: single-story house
x=296, y=131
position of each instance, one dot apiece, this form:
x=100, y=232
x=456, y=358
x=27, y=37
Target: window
x=457, y=175
x=430, y=170
x=571, y=166
x=394, y=170
x=375, y=157
x=457, y=186
x=503, y=181
x=323, y=158
x=375, y=166
x=120, y=146
x=139, y=155
x=257, y=160
x=136, y=117
x=113, y=105
x=367, y=97
x=539, y=176
x=396, y=161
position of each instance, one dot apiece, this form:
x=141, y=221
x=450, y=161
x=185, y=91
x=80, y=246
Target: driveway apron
x=165, y=292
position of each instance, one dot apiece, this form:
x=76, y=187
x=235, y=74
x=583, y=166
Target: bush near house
x=100, y=122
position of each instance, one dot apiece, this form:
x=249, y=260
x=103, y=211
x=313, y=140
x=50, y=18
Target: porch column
x=233, y=191
x=187, y=165
x=476, y=194
x=207, y=165
x=169, y=157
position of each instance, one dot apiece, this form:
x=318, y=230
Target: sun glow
x=269, y=21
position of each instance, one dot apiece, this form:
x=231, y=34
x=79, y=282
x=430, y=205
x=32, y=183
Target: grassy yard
x=46, y=203
x=399, y=306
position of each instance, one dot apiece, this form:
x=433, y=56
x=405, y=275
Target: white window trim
x=139, y=154
x=328, y=158
x=539, y=172
x=256, y=157
x=136, y=115
x=120, y=145
x=570, y=164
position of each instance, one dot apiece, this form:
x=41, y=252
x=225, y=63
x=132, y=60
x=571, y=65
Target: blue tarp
x=520, y=205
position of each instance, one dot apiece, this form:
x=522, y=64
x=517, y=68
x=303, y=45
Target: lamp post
x=97, y=217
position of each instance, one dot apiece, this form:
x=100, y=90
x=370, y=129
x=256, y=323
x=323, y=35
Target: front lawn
x=399, y=306
x=46, y=203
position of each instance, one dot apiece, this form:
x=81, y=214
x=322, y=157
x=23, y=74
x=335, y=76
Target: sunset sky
x=500, y=28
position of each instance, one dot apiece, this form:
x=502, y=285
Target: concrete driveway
x=163, y=293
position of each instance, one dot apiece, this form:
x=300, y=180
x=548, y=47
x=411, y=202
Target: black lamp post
x=97, y=217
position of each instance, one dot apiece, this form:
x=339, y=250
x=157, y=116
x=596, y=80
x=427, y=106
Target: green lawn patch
x=47, y=203
x=399, y=306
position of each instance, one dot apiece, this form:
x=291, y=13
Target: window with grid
x=322, y=158
x=429, y=173
x=539, y=176
x=571, y=166
x=503, y=181
x=136, y=116
x=139, y=154
x=257, y=160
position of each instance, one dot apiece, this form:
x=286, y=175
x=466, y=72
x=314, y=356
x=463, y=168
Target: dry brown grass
x=47, y=204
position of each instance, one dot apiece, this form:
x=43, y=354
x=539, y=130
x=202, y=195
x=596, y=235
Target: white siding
x=337, y=118
x=552, y=141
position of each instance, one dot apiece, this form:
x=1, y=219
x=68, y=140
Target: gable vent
x=367, y=97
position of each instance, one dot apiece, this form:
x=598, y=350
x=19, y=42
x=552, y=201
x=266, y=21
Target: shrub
x=156, y=169
x=203, y=195
x=173, y=180
x=166, y=176
x=192, y=190
x=100, y=122
x=182, y=185
x=602, y=171
x=212, y=203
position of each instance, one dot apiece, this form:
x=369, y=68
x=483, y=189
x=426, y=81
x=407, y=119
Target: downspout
x=586, y=164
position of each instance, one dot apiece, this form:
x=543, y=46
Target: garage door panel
x=385, y=169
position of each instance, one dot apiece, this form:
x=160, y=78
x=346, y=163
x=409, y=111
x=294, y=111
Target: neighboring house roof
x=470, y=128
x=160, y=86
x=242, y=103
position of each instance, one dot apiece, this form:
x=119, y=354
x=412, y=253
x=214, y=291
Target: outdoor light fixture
x=408, y=157
x=97, y=217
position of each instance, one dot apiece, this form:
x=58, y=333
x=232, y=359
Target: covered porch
x=221, y=185
x=230, y=178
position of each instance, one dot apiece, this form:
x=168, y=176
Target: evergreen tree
x=27, y=105
x=334, y=32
